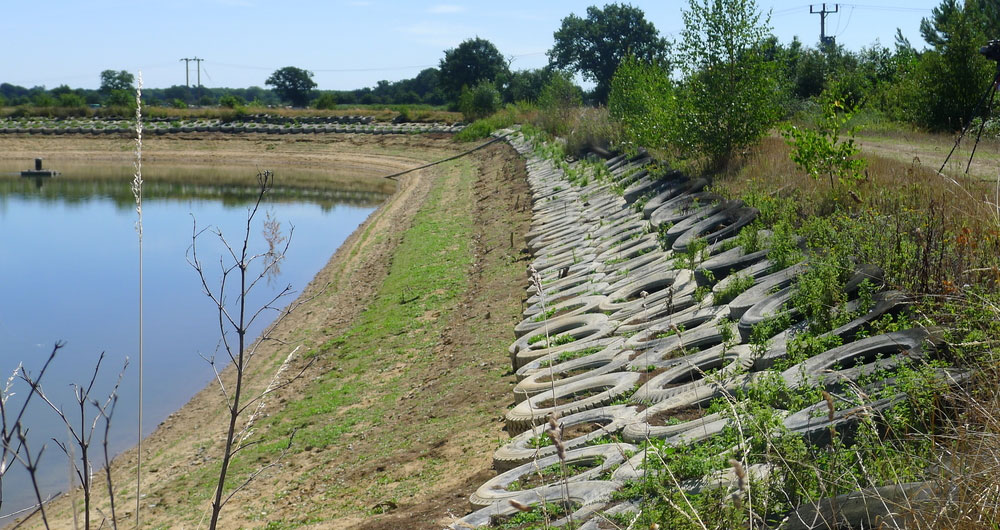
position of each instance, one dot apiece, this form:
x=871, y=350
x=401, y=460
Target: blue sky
x=346, y=43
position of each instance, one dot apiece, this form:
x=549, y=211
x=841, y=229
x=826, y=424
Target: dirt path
x=410, y=467
x=931, y=150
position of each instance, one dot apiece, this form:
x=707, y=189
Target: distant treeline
x=424, y=89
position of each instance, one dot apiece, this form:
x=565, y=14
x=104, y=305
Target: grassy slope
x=400, y=406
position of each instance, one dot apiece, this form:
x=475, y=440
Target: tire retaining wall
x=612, y=307
x=250, y=124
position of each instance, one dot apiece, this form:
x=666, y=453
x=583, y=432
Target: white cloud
x=445, y=9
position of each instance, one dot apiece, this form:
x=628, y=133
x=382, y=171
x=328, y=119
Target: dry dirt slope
x=396, y=419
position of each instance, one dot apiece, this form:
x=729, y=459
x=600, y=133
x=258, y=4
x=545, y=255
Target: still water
x=69, y=274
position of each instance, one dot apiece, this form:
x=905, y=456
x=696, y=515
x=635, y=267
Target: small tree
x=292, y=84
x=231, y=101
x=642, y=101
x=731, y=90
x=479, y=101
x=70, y=100
x=558, y=99
x=242, y=271
x=820, y=151
x=121, y=98
x=326, y=101
x=596, y=45
x=43, y=100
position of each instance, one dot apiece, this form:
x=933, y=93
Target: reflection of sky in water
x=69, y=272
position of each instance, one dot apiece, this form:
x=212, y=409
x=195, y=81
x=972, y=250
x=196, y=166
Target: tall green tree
x=642, y=101
x=730, y=88
x=468, y=64
x=950, y=79
x=112, y=80
x=596, y=45
x=292, y=84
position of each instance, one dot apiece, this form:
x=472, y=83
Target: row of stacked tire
x=270, y=118
x=616, y=345
x=159, y=128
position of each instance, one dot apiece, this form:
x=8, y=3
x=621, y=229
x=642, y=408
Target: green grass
x=429, y=273
x=483, y=128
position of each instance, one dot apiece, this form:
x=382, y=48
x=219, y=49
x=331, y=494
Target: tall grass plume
x=137, y=192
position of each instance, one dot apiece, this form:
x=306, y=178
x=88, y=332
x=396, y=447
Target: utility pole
x=187, y=72
x=823, y=39
x=197, y=60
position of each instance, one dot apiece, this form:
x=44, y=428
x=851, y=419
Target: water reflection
x=68, y=272
x=232, y=185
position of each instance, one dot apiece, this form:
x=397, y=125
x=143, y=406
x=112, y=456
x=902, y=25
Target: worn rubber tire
x=668, y=351
x=864, y=356
x=623, y=277
x=815, y=425
x=597, y=329
x=556, y=326
x=678, y=321
x=553, y=287
x=571, y=307
x=560, y=296
x=609, y=387
x=645, y=242
x=608, y=347
x=495, y=490
x=592, y=495
x=681, y=187
x=690, y=374
x=639, y=429
x=691, y=219
x=673, y=283
x=603, y=519
x=886, y=302
x=633, y=468
x=661, y=306
x=588, y=366
x=664, y=317
x=897, y=506
x=755, y=270
x=681, y=207
x=636, y=257
x=722, y=225
x=771, y=307
x=762, y=287
x=611, y=419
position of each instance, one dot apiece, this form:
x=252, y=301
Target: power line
x=890, y=8
x=788, y=10
x=901, y=9
x=849, y=17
